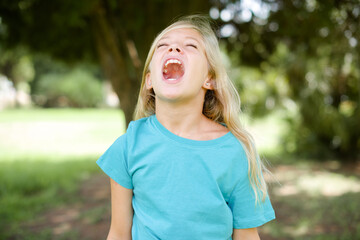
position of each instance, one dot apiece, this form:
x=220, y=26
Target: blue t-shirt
x=184, y=189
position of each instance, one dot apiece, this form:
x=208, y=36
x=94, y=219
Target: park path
x=88, y=218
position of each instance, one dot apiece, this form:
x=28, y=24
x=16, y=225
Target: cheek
x=154, y=67
x=203, y=68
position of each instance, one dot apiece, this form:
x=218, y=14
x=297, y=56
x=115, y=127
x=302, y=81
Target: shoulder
x=220, y=129
x=132, y=129
x=213, y=130
x=139, y=130
x=137, y=124
x=130, y=137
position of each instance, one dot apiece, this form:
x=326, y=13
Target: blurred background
x=69, y=78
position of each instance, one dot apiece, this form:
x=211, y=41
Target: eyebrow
x=187, y=37
x=192, y=39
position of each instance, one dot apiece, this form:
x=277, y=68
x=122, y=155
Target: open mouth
x=173, y=69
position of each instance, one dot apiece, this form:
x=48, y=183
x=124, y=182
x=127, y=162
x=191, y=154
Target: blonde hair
x=221, y=104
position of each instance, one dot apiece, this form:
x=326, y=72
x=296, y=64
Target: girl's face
x=179, y=68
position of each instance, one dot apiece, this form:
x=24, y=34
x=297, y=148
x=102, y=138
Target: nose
x=175, y=49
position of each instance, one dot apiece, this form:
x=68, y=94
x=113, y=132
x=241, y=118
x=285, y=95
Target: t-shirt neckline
x=188, y=141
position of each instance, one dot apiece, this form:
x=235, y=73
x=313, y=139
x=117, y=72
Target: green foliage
x=77, y=88
x=304, y=58
x=17, y=65
x=64, y=23
x=114, y=34
x=327, y=97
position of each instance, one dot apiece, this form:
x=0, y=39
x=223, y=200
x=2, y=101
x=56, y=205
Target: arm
x=245, y=234
x=121, y=212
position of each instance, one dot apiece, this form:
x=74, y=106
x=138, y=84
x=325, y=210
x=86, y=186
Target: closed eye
x=191, y=45
x=162, y=45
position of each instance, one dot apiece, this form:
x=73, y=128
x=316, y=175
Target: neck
x=180, y=119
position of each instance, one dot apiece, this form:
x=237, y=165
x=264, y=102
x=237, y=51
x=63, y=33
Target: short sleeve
x=114, y=162
x=246, y=213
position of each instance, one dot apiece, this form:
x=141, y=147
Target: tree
x=115, y=34
x=17, y=66
x=315, y=46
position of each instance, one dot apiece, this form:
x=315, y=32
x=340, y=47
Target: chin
x=169, y=97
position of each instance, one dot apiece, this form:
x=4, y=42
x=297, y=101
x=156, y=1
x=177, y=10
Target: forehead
x=185, y=33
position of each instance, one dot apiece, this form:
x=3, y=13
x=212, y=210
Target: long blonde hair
x=221, y=104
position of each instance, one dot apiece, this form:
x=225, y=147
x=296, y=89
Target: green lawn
x=312, y=200
x=57, y=133
x=44, y=155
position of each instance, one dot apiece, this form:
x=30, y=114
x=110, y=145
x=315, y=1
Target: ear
x=209, y=83
x=148, y=82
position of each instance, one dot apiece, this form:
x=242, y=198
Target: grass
x=57, y=133
x=316, y=218
x=27, y=188
x=314, y=201
x=45, y=154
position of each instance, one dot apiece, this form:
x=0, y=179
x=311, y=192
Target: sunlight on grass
x=302, y=180
x=314, y=201
x=327, y=184
x=298, y=230
x=64, y=132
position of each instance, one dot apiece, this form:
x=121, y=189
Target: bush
x=77, y=88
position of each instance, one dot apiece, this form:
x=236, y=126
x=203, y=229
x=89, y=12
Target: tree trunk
x=122, y=42
x=114, y=63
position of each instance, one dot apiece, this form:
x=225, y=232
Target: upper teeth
x=172, y=61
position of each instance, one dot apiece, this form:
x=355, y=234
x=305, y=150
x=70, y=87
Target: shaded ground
x=316, y=202
x=87, y=219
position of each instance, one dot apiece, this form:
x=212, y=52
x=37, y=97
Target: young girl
x=186, y=169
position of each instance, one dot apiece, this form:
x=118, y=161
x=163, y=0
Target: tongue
x=173, y=71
